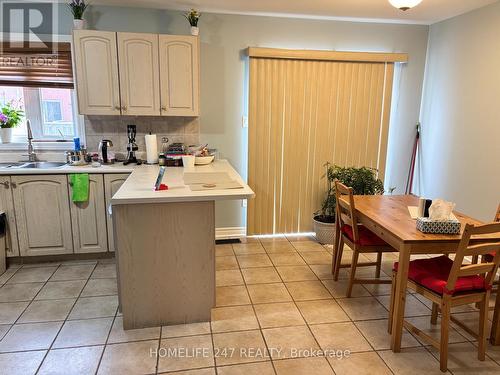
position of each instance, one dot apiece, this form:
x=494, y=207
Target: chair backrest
x=489, y=269
x=346, y=212
x=497, y=216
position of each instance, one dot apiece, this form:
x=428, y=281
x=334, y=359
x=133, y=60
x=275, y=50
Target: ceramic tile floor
x=277, y=305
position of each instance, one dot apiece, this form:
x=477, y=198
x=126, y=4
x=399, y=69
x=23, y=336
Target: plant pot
x=195, y=30
x=325, y=232
x=79, y=24
x=6, y=135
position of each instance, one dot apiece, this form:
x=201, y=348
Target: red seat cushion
x=366, y=237
x=433, y=274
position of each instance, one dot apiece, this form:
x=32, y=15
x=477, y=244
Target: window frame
x=17, y=144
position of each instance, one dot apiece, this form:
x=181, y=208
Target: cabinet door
x=7, y=206
x=42, y=214
x=96, y=65
x=179, y=75
x=139, y=73
x=112, y=182
x=88, y=219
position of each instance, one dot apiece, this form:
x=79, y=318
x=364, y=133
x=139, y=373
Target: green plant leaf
x=363, y=181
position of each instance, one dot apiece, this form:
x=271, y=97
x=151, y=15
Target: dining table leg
x=495, y=327
x=400, y=298
x=336, y=241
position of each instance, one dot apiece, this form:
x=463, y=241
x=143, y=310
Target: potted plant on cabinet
x=193, y=16
x=77, y=8
x=363, y=180
x=10, y=117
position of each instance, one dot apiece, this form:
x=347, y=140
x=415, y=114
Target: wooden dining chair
x=449, y=283
x=496, y=219
x=488, y=258
x=496, y=307
x=358, y=238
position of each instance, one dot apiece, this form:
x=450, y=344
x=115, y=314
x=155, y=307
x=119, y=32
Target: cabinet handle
x=6, y=184
x=124, y=108
x=14, y=185
x=117, y=107
x=163, y=108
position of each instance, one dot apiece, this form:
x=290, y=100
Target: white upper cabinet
x=96, y=65
x=179, y=75
x=136, y=74
x=139, y=73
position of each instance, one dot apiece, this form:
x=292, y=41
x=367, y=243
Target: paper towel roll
x=151, y=149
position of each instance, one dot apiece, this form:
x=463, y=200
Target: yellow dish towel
x=80, y=187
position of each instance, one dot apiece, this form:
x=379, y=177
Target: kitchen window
x=52, y=112
x=39, y=81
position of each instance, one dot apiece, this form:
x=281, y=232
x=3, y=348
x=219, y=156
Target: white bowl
x=203, y=160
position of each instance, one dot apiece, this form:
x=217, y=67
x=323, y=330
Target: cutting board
x=191, y=178
x=218, y=186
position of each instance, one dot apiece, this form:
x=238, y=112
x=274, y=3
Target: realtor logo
x=28, y=25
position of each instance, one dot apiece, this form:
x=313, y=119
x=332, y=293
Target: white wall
x=460, y=158
x=223, y=69
x=223, y=72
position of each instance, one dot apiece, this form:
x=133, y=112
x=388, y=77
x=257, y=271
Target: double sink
x=33, y=165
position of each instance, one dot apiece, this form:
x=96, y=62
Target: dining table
x=389, y=218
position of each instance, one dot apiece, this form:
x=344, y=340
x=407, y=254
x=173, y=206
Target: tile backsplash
x=114, y=128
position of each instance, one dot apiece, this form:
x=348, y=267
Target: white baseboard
x=231, y=232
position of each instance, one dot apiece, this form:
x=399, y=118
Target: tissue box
x=426, y=225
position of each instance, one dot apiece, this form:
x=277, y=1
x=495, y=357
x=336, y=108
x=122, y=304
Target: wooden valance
x=302, y=54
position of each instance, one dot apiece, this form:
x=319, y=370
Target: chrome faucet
x=31, y=151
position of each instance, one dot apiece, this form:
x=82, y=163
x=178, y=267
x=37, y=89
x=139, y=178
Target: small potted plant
x=363, y=180
x=10, y=117
x=193, y=16
x=77, y=8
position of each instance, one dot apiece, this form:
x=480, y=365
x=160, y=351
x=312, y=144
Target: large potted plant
x=363, y=180
x=10, y=117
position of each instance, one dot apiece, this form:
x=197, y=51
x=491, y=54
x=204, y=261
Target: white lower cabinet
x=42, y=214
x=7, y=206
x=88, y=218
x=112, y=182
x=42, y=219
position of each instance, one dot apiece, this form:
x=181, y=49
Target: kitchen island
x=165, y=243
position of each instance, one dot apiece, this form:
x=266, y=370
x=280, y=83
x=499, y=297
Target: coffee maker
x=132, y=146
x=103, y=151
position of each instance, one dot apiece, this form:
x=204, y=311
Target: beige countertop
x=138, y=188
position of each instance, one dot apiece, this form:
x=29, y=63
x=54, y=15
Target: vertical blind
x=307, y=108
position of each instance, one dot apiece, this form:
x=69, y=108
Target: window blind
x=307, y=108
x=37, y=66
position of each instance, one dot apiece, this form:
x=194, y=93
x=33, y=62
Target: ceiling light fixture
x=405, y=4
